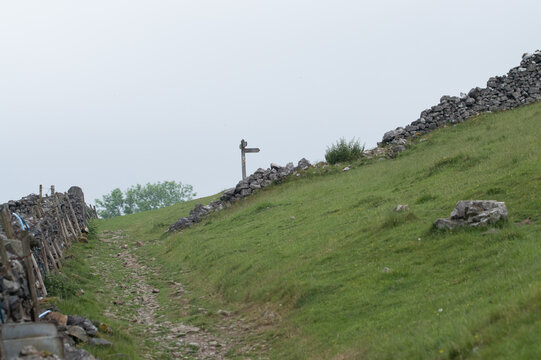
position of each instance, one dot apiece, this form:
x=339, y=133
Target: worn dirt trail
x=136, y=301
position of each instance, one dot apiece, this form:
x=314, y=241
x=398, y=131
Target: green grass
x=321, y=272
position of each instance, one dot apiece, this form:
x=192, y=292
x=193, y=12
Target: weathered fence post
x=6, y=223
x=30, y=274
x=63, y=230
x=49, y=252
x=75, y=221
x=38, y=274
x=5, y=260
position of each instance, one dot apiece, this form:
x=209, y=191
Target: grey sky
x=106, y=94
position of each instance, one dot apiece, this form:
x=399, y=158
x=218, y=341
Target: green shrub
x=60, y=285
x=343, y=151
x=92, y=226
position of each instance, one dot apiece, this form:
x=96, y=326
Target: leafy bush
x=92, y=225
x=343, y=151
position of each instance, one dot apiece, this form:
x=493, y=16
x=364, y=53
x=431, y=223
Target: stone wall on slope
x=521, y=86
x=51, y=224
x=258, y=180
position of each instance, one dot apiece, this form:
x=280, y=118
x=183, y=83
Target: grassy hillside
x=304, y=261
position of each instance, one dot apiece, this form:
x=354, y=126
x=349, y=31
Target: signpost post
x=243, y=151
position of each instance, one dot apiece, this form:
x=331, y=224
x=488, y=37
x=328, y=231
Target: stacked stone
x=15, y=297
x=521, y=85
x=46, y=231
x=259, y=179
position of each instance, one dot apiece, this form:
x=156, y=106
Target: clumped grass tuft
x=92, y=225
x=344, y=151
x=425, y=198
x=494, y=191
x=395, y=219
x=59, y=285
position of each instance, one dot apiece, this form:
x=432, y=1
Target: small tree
x=111, y=205
x=343, y=151
x=156, y=196
x=141, y=198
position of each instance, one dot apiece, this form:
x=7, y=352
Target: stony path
x=136, y=301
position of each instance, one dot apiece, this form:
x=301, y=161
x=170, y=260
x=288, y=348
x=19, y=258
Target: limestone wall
x=521, y=85
x=51, y=224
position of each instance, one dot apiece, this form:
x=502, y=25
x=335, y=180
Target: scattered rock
x=155, y=291
x=185, y=329
x=28, y=350
x=58, y=318
x=105, y=329
x=386, y=270
x=400, y=208
x=224, y=312
x=84, y=323
x=474, y=213
x=73, y=353
x=347, y=168
x=77, y=333
x=527, y=221
x=99, y=342
x=490, y=232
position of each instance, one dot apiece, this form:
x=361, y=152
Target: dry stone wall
x=258, y=180
x=51, y=224
x=521, y=85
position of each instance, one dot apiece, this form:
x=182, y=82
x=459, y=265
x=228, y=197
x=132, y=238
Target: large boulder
x=474, y=213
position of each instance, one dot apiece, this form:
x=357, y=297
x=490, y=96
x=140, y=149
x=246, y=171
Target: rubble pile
x=521, y=85
x=258, y=180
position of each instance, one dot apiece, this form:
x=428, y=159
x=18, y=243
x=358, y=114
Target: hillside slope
x=305, y=261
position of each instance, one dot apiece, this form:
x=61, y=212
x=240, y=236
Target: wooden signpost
x=243, y=151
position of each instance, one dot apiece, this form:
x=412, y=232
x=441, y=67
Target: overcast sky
x=111, y=93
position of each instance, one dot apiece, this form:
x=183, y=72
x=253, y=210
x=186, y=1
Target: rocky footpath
x=258, y=180
x=521, y=85
x=132, y=283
